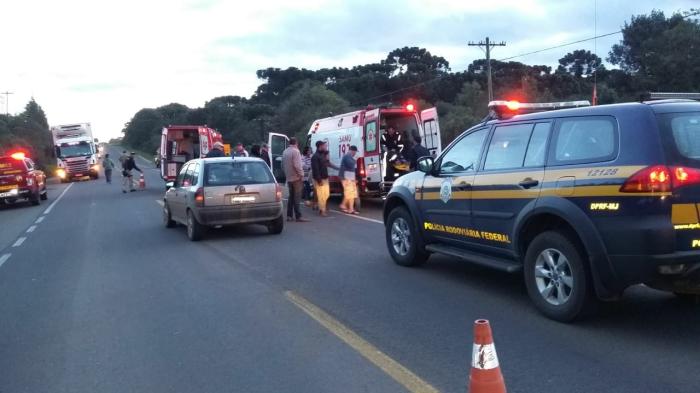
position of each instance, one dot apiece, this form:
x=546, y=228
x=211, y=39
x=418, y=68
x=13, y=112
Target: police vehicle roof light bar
x=671, y=96
x=510, y=108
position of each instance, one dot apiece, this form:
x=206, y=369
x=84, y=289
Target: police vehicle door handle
x=528, y=183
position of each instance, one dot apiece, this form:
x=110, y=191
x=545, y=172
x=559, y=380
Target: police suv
x=585, y=201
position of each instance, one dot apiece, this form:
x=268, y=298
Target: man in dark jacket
x=417, y=152
x=319, y=170
x=216, y=151
x=127, y=178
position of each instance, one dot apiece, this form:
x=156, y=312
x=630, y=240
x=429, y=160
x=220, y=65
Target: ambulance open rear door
x=277, y=144
x=431, y=131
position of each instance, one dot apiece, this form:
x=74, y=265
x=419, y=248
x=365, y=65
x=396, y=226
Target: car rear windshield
x=681, y=133
x=236, y=172
x=9, y=166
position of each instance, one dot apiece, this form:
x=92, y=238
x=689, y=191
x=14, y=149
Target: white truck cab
x=76, y=154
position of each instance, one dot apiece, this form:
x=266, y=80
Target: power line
x=560, y=46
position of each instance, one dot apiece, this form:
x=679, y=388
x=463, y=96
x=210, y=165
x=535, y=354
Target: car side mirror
x=425, y=164
x=169, y=185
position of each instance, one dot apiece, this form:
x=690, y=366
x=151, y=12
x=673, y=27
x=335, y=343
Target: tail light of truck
x=361, y=172
x=199, y=197
x=278, y=193
x=661, y=178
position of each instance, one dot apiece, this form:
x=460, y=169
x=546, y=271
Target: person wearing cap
x=240, y=151
x=216, y=151
x=127, y=177
x=347, y=178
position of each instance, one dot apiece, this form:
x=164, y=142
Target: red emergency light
x=410, y=107
x=18, y=155
x=513, y=105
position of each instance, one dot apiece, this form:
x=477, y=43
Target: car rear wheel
x=557, y=278
x=195, y=230
x=167, y=217
x=276, y=226
x=402, y=239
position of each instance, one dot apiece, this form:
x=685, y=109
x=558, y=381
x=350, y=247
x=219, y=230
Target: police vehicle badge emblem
x=446, y=190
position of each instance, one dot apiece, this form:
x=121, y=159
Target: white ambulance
x=364, y=128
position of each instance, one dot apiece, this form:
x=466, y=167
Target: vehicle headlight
x=61, y=173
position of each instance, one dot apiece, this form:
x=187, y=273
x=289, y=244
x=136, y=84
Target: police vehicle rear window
x=236, y=173
x=585, y=139
x=685, y=131
x=10, y=166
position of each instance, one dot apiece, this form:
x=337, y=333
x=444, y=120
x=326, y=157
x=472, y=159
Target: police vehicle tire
x=195, y=230
x=44, y=195
x=167, y=217
x=688, y=297
x=561, y=267
x=276, y=226
x=402, y=239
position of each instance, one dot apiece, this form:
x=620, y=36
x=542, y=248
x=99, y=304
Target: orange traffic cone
x=142, y=182
x=485, y=375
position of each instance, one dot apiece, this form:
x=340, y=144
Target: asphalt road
x=100, y=297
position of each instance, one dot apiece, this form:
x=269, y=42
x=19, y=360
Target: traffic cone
x=142, y=182
x=485, y=375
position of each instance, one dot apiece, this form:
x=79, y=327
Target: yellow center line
x=391, y=367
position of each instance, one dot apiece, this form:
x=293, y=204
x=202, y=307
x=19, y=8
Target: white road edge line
x=19, y=242
x=48, y=209
x=31, y=229
x=357, y=217
x=4, y=259
x=39, y=220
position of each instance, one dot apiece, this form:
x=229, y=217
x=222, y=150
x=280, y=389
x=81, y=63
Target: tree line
x=28, y=132
x=656, y=53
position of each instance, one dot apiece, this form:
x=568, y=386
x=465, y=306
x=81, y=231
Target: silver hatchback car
x=223, y=191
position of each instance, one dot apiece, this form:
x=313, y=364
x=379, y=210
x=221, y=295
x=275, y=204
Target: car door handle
x=528, y=183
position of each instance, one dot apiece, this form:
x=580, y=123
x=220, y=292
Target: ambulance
x=364, y=129
x=179, y=144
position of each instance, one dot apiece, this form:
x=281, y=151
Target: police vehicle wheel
x=556, y=277
x=195, y=230
x=167, y=217
x=44, y=195
x=402, y=239
x=688, y=297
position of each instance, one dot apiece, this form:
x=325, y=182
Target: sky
x=101, y=61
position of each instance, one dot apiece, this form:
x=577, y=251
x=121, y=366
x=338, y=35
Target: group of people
x=128, y=164
x=307, y=179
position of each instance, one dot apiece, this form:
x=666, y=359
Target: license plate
x=238, y=199
x=8, y=187
x=78, y=175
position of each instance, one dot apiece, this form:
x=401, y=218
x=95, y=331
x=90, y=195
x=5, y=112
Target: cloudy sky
x=101, y=61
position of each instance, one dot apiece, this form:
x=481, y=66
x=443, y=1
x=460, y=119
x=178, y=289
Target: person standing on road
x=265, y=154
x=417, y=152
x=347, y=177
x=294, y=172
x=127, y=176
x=216, y=151
x=319, y=169
x=108, y=166
x=306, y=165
x=240, y=151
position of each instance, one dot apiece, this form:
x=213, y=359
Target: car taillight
x=661, y=178
x=199, y=197
x=278, y=192
x=361, y=172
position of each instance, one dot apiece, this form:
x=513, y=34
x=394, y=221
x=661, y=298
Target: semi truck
x=76, y=153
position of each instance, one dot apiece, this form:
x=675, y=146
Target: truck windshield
x=80, y=149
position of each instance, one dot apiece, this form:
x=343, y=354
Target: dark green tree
x=579, y=63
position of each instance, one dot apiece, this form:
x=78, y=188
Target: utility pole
x=486, y=47
x=7, y=101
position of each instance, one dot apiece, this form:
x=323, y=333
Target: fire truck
x=179, y=144
x=377, y=168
